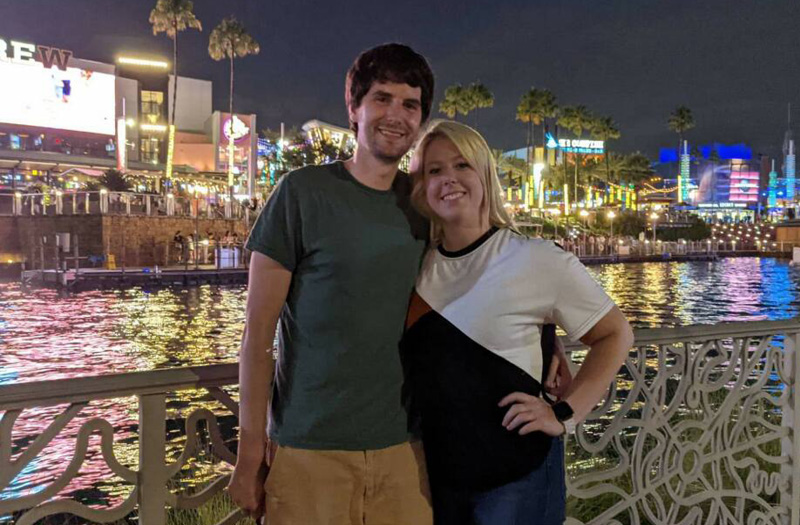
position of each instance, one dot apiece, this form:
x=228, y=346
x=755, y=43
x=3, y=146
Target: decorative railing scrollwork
x=698, y=428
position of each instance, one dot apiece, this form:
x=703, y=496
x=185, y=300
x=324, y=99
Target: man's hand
x=533, y=413
x=559, y=376
x=246, y=488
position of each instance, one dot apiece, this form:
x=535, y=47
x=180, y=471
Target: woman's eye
x=462, y=165
x=433, y=171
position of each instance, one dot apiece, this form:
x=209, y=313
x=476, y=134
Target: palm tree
x=230, y=40
x=534, y=107
x=511, y=166
x=576, y=119
x=479, y=97
x=637, y=168
x=605, y=129
x=680, y=121
x=115, y=180
x=454, y=102
x=172, y=17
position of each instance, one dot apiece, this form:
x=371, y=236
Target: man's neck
x=458, y=237
x=371, y=172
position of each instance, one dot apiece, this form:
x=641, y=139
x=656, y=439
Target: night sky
x=735, y=63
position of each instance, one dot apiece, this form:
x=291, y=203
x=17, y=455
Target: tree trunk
x=174, y=77
x=608, y=170
x=230, y=102
x=576, y=180
x=230, y=128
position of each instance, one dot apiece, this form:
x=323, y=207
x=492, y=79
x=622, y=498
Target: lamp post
x=611, y=216
x=555, y=212
x=584, y=214
x=654, y=216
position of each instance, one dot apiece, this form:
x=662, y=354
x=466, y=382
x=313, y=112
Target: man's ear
x=351, y=113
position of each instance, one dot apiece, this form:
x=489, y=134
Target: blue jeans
x=539, y=498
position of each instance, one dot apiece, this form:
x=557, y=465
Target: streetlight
x=611, y=216
x=654, y=216
x=555, y=212
x=584, y=214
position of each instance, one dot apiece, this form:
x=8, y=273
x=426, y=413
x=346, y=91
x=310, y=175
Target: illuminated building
x=772, y=199
x=715, y=181
x=684, y=177
x=63, y=113
x=789, y=158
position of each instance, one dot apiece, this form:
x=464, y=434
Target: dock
x=100, y=278
x=183, y=275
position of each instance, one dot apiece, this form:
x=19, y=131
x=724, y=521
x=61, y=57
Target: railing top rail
x=72, y=390
x=109, y=386
x=702, y=332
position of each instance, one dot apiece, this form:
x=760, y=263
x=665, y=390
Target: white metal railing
x=636, y=248
x=105, y=202
x=698, y=428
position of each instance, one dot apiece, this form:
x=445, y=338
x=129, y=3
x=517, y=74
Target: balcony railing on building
x=105, y=202
x=698, y=428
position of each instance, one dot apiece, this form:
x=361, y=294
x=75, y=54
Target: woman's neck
x=458, y=237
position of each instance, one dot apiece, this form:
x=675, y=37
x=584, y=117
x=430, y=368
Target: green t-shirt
x=354, y=253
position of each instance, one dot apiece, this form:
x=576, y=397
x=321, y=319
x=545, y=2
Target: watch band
x=565, y=415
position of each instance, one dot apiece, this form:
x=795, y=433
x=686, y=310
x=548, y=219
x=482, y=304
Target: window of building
x=149, y=149
x=152, y=106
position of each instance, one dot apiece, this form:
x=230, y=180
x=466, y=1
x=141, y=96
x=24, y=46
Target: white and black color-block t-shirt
x=503, y=290
x=473, y=336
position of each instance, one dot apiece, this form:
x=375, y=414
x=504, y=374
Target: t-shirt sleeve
x=277, y=232
x=580, y=302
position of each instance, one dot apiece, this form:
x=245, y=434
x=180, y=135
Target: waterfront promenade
x=234, y=259
x=699, y=428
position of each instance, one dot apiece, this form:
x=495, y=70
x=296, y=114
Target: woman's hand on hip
x=530, y=414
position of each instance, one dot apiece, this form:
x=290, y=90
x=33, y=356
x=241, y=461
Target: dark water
x=47, y=335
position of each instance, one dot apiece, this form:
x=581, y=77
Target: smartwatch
x=565, y=416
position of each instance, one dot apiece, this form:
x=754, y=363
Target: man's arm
x=268, y=287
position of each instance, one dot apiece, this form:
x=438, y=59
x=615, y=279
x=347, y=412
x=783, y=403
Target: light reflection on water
x=47, y=335
x=684, y=293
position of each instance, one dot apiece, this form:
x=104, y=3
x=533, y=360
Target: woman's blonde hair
x=476, y=152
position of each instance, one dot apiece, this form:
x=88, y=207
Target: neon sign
x=584, y=146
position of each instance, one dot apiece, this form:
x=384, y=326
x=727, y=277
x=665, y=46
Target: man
x=336, y=250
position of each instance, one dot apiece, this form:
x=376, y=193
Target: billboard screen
x=74, y=99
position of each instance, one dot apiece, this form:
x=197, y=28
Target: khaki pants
x=336, y=487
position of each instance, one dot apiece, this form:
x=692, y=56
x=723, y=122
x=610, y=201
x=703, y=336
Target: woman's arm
x=609, y=341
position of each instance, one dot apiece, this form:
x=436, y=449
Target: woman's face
x=453, y=188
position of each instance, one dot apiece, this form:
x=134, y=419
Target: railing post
x=790, y=446
x=103, y=201
x=152, y=476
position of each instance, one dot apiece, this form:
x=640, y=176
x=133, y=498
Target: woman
x=472, y=348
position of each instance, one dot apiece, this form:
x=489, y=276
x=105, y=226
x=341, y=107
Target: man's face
x=388, y=119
